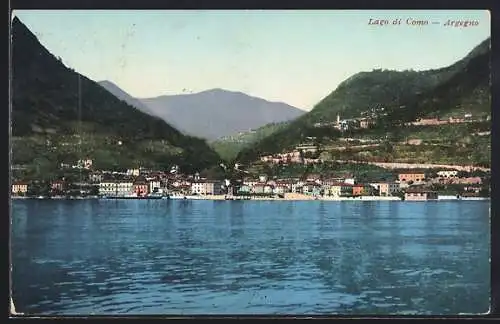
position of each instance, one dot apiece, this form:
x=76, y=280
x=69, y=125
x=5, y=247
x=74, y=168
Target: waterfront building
x=311, y=188
x=107, y=188
x=358, y=189
x=245, y=189
x=420, y=194
x=58, y=185
x=259, y=188
x=297, y=186
x=280, y=189
x=116, y=188
x=206, y=187
x=386, y=188
x=19, y=188
x=124, y=187
x=340, y=190
x=154, y=186
x=141, y=187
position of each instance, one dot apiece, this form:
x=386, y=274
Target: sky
x=293, y=56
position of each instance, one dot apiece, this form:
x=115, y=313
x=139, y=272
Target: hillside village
x=143, y=183
x=307, y=152
x=436, y=116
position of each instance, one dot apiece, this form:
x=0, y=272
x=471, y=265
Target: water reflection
x=249, y=257
x=237, y=220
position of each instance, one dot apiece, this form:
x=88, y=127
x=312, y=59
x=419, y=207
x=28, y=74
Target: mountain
x=404, y=95
x=217, y=113
x=122, y=95
x=385, y=88
x=53, y=103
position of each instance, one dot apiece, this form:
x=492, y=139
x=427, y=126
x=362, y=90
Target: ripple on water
x=223, y=258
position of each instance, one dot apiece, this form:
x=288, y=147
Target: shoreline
x=294, y=197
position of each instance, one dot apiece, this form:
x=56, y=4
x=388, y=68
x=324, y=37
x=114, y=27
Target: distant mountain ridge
x=124, y=96
x=211, y=114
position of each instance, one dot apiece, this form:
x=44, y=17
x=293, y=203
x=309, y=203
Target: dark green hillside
x=463, y=86
x=466, y=91
x=46, y=103
x=385, y=88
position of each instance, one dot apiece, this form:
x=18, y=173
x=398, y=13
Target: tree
x=388, y=147
x=484, y=192
x=94, y=190
x=39, y=188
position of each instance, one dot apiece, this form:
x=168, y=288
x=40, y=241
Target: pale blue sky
x=294, y=56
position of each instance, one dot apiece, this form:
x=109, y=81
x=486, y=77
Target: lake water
x=250, y=257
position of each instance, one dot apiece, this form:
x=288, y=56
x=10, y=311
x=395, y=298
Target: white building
x=447, y=173
x=263, y=178
x=350, y=181
x=334, y=190
x=281, y=188
x=154, y=186
x=250, y=182
x=116, y=188
x=95, y=177
x=125, y=188
x=107, y=188
x=133, y=172
x=297, y=186
x=206, y=187
x=84, y=164
x=306, y=148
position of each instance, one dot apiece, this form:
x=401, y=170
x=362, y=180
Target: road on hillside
x=395, y=165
